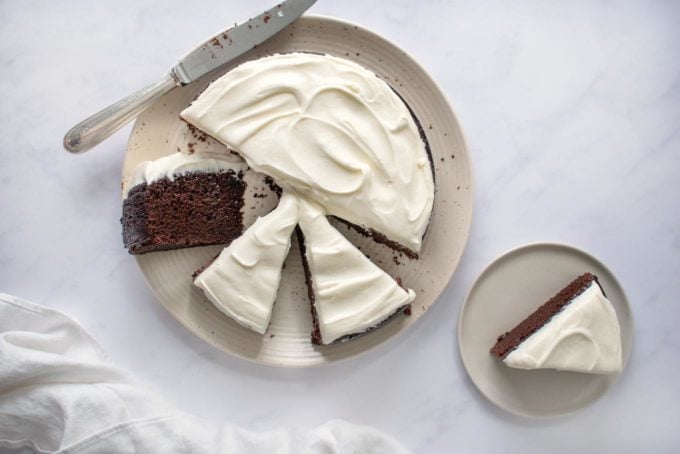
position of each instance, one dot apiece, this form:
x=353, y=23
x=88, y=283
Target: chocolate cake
x=343, y=144
x=510, y=340
x=193, y=209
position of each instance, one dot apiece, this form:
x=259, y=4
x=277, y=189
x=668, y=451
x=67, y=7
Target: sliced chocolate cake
x=342, y=142
x=350, y=295
x=575, y=330
x=181, y=201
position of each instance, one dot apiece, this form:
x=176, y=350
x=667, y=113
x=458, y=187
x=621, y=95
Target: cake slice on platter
x=576, y=330
x=350, y=295
x=182, y=200
x=243, y=280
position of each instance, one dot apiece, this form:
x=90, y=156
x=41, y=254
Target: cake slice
x=349, y=294
x=181, y=201
x=576, y=330
x=243, y=280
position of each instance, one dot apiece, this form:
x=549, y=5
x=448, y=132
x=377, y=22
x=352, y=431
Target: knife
x=213, y=53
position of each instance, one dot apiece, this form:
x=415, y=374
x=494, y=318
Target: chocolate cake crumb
x=197, y=134
x=275, y=188
x=216, y=43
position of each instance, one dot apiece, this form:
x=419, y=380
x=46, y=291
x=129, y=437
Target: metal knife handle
x=101, y=125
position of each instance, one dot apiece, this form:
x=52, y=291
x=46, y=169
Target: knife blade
x=207, y=56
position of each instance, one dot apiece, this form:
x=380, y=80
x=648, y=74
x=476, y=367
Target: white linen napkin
x=59, y=393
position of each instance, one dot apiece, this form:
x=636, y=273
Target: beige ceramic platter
x=508, y=290
x=159, y=132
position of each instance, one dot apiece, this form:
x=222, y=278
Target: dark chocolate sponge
x=195, y=209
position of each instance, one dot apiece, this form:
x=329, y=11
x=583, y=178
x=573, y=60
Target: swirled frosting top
x=584, y=337
x=330, y=130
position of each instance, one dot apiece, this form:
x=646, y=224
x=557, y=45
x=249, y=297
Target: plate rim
x=494, y=262
x=465, y=234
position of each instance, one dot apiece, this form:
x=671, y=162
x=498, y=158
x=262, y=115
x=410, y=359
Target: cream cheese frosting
x=352, y=294
x=329, y=129
x=584, y=337
x=244, y=279
x=176, y=164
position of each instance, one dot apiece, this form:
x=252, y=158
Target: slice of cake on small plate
x=182, y=200
x=576, y=330
x=243, y=280
x=350, y=295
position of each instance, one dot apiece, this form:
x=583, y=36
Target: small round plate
x=508, y=290
x=159, y=132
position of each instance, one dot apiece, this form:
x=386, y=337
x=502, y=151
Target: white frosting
x=331, y=130
x=351, y=293
x=243, y=281
x=583, y=337
x=178, y=164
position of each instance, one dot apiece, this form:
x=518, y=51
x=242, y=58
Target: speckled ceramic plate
x=159, y=132
x=506, y=292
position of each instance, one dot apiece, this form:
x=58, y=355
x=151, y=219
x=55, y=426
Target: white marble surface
x=572, y=112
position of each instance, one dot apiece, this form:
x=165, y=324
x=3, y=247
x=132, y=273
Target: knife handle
x=101, y=125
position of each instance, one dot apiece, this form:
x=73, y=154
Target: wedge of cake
x=181, y=201
x=350, y=295
x=576, y=330
x=243, y=280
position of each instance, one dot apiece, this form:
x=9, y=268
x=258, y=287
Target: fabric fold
x=60, y=394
